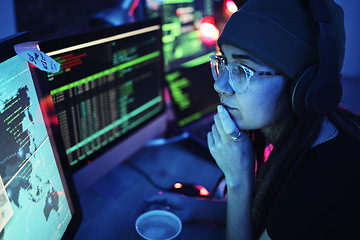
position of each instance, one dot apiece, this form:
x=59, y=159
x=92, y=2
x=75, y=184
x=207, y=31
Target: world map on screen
x=33, y=204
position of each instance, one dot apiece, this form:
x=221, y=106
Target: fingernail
x=220, y=108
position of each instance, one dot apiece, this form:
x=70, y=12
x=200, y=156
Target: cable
x=147, y=176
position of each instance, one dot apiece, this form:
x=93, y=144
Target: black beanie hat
x=282, y=33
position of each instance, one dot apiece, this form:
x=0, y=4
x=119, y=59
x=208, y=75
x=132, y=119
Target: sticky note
x=31, y=53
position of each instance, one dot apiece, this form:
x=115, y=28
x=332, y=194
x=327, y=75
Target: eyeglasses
x=239, y=75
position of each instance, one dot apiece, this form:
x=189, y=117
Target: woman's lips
x=228, y=107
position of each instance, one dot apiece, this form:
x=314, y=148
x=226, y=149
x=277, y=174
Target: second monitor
x=109, y=90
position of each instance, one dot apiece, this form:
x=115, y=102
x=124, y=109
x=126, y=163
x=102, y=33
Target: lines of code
x=113, y=90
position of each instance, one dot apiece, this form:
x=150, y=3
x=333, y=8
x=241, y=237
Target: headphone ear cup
x=300, y=90
x=324, y=94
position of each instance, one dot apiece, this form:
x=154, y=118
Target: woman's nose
x=222, y=85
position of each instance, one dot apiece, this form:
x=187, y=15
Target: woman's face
x=261, y=106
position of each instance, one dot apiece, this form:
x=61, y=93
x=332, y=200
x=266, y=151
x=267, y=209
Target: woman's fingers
x=227, y=123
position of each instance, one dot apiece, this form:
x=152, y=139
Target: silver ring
x=237, y=138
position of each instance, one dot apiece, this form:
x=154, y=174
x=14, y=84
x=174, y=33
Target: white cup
x=158, y=225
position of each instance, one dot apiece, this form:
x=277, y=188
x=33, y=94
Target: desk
x=111, y=205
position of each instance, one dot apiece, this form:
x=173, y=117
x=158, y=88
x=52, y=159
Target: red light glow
x=177, y=185
x=203, y=191
x=267, y=151
x=231, y=6
x=133, y=7
x=208, y=31
x=47, y=107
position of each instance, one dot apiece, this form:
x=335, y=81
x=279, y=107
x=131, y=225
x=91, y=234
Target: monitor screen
x=110, y=87
x=192, y=93
x=181, y=36
x=38, y=199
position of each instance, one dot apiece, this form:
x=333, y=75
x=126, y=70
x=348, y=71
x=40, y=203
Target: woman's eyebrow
x=246, y=57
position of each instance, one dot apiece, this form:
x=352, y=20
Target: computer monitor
x=108, y=95
x=181, y=36
x=192, y=93
x=38, y=199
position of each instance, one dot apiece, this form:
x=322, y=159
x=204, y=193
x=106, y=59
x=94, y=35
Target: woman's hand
x=233, y=153
x=235, y=157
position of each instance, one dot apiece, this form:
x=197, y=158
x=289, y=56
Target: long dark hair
x=293, y=143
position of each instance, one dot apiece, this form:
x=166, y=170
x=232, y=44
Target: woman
x=308, y=188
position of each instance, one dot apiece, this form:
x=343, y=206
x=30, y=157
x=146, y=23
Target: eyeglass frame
x=249, y=72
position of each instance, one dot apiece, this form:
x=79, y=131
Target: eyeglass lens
x=237, y=76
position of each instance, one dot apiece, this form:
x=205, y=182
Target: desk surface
x=111, y=205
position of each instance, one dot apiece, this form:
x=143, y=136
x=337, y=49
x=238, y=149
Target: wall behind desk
x=52, y=18
x=7, y=18
x=352, y=46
